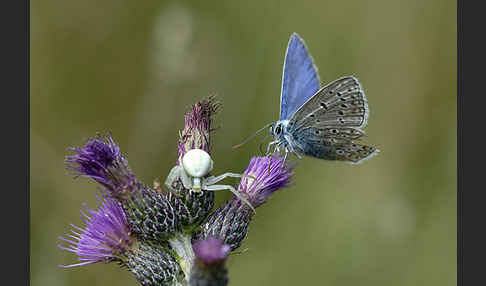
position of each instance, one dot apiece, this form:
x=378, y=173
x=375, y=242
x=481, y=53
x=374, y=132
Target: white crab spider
x=193, y=169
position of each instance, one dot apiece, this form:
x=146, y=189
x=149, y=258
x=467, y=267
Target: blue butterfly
x=319, y=122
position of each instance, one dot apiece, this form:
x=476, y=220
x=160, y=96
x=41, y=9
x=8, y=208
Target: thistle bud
x=151, y=216
x=152, y=266
x=197, y=126
x=209, y=269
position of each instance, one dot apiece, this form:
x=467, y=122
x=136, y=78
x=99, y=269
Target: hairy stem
x=181, y=244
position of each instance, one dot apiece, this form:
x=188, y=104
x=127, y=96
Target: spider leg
x=173, y=176
x=231, y=189
x=186, y=179
x=213, y=180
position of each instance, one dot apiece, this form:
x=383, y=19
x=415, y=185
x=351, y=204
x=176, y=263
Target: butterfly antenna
x=251, y=136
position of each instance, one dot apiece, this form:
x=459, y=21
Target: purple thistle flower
x=197, y=126
x=105, y=237
x=270, y=175
x=211, y=250
x=100, y=159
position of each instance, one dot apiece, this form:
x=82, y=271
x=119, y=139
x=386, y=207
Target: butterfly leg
x=292, y=150
x=298, y=156
x=285, y=157
x=269, y=147
x=276, y=149
x=268, y=153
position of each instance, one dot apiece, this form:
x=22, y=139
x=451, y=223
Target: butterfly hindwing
x=300, y=80
x=326, y=143
x=341, y=103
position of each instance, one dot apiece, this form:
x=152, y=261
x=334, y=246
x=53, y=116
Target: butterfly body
x=319, y=122
x=284, y=139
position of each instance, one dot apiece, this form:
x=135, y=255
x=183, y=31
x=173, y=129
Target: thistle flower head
x=211, y=250
x=197, y=126
x=100, y=159
x=105, y=236
x=152, y=266
x=270, y=174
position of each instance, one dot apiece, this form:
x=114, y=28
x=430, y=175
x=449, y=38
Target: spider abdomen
x=197, y=163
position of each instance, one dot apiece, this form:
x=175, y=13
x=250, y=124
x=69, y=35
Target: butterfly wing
x=339, y=103
x=312, y=142
x=300, y=80
x=326, y=124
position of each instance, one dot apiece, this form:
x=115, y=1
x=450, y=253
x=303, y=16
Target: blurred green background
x=134, y=67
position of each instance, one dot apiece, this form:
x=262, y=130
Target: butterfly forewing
x=300, y=80
x=341, y=103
